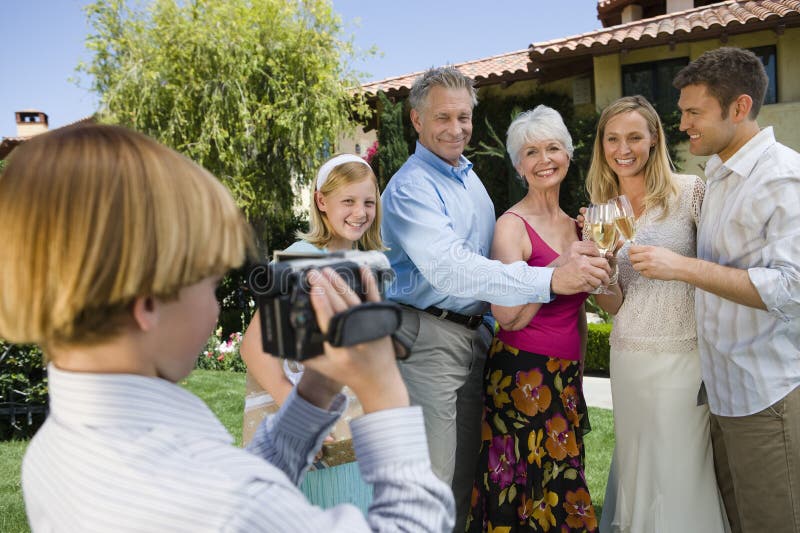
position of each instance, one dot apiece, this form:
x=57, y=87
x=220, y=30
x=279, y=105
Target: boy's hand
x=369, y=369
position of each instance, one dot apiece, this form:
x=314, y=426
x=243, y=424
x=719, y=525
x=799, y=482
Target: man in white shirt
x=747, y=273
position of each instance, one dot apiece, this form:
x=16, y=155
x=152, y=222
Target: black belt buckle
x=474, y=321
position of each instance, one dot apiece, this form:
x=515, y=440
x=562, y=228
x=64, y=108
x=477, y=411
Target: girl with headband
x=345, y=215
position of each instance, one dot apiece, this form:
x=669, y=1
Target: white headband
x=322, y=175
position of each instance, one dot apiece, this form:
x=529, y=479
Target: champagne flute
x=601, y=219
x=625, y=220
x=602, y=230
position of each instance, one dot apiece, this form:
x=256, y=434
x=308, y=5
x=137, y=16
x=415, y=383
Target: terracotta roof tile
x=733, y=14
x=479, y=70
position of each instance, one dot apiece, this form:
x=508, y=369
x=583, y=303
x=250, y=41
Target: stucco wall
x=607, y=79
x=788, y=73
x=346, y=143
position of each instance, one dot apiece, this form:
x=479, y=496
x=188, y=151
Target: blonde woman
x=662, y=473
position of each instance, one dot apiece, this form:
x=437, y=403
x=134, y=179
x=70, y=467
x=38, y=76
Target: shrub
x=597, y=349
x=23, y=391
x=392, y=145
x=222, y=353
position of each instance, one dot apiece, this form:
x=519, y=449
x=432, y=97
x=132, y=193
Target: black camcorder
x=288, y=325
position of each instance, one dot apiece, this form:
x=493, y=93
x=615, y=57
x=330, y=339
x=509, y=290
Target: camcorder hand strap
x=367, y=322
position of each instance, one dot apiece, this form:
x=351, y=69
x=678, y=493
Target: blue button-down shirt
x=438, y=223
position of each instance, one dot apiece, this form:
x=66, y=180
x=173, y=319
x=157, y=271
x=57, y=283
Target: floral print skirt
x=530, y=474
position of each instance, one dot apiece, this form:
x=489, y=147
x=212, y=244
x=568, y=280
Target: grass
x=224, y=394
x=12, y=510
x=599, y=446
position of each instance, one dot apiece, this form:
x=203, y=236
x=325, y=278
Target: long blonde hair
x=602, y=183
x=92, y=217
x=320, y=232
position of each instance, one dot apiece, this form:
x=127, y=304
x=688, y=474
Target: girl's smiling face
x=350, y=211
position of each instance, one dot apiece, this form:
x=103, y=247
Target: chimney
x=674, y=6
x=31, y=122
x=631, y=12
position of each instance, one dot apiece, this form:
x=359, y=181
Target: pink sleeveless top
x=553, y=331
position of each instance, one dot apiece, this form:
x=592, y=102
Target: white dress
x=662, y=473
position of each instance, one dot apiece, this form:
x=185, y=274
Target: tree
x=392, y=147
x=253, y=90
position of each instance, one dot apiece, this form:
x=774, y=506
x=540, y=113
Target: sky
x=43, y=41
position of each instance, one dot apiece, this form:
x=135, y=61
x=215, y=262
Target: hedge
x=597, y=350
x=23, y=391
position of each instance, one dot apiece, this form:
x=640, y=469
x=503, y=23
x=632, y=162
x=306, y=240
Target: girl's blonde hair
x=320, y=232
x=94, y=216
x=602, y=183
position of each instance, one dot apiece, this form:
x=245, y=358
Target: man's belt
x=469, y=321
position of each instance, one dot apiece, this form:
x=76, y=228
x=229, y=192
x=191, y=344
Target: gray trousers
x=444, y=375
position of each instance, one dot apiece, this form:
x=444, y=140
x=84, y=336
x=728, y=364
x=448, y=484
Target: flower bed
x=222, y=353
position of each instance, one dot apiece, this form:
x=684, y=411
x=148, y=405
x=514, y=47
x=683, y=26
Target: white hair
x=539, y=124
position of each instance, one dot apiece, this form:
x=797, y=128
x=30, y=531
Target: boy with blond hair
x=114, y=245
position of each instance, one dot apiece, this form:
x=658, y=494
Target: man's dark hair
x=727, y=74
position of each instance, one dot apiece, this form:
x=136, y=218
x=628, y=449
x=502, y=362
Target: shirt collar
x=129, y=400
x=459, y=172
x=745, y=158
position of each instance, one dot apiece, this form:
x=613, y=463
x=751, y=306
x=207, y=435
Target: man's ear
x=741, y=107
x=416, y=120
x=145, y=312
x=321, y=201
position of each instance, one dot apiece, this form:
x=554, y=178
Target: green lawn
x=224, y=393
x=599, y=445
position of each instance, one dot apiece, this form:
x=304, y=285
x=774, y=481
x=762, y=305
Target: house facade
x=641, y=47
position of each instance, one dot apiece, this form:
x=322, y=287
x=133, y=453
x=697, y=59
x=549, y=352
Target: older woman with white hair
x=530, y=474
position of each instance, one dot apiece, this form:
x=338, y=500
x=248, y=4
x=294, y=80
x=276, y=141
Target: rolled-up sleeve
x=778, y=283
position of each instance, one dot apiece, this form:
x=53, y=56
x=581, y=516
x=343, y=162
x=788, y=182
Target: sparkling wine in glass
x=624, y=219
x=602, y=230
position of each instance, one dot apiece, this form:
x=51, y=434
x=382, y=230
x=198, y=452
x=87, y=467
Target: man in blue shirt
x=438, y=224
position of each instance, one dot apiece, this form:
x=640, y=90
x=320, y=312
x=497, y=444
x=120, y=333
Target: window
x=768, y=57
x=654, y=82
